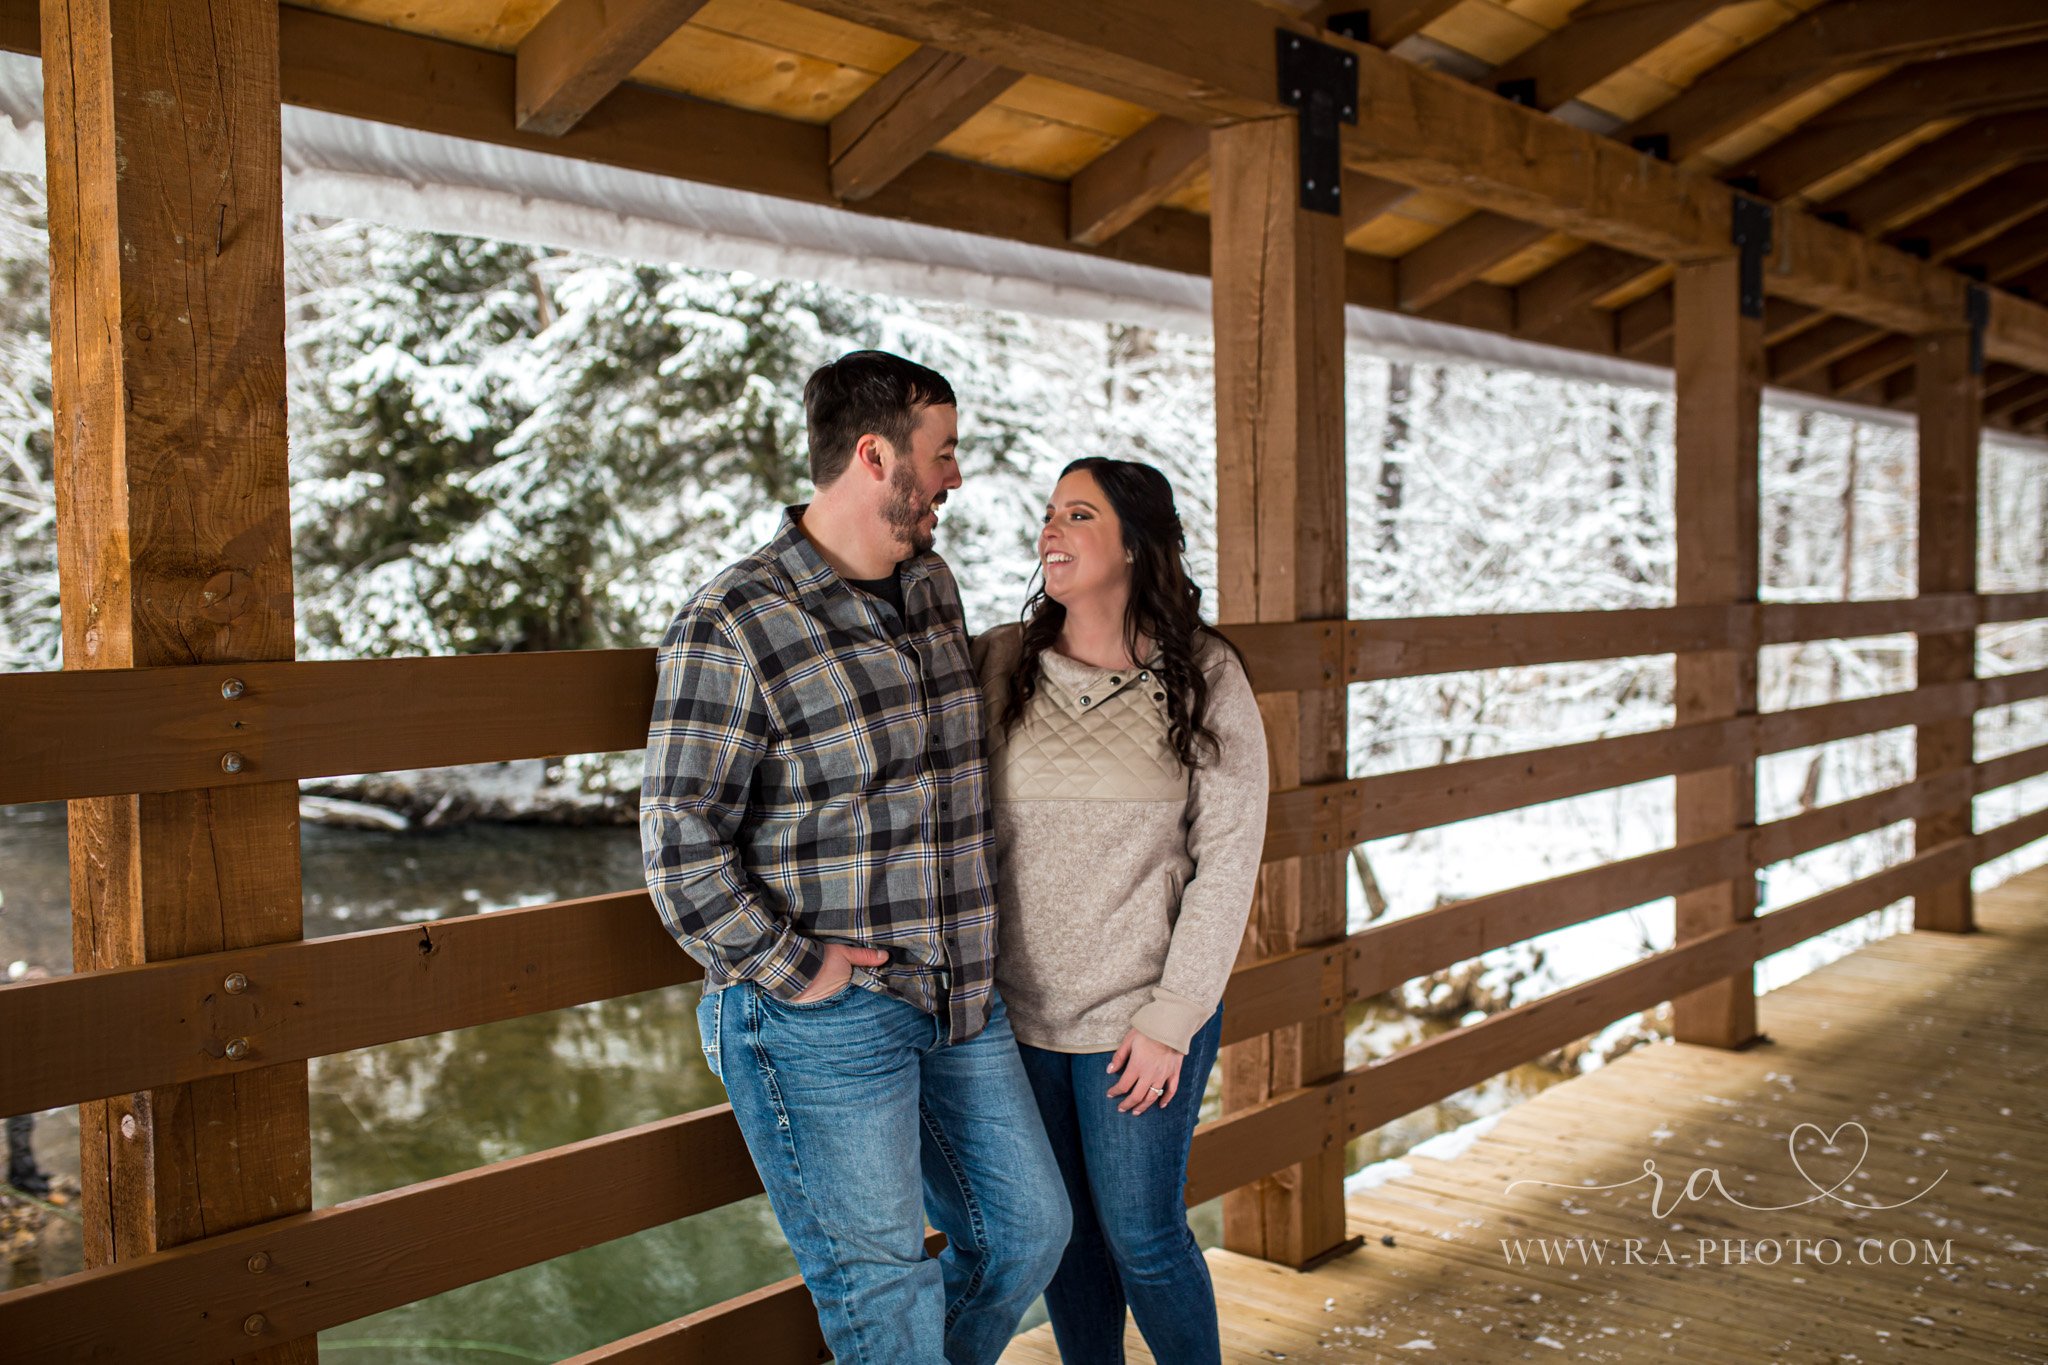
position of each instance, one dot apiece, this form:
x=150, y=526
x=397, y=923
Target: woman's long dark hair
x=1165, y=606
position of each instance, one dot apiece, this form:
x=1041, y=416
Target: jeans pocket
x=837, y=997
x=710, y=1014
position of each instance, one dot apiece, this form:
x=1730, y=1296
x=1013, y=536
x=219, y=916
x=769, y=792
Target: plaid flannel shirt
x=815, y=776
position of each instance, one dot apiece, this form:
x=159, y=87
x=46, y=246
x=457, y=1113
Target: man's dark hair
x=862, y=392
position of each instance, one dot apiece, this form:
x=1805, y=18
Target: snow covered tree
x=504, y=448
x=29, y=624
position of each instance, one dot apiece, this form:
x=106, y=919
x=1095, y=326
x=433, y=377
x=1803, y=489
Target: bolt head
x=231, y=762
x=231, y=689
x=235, y=984
x=255, y=1324
x=259, y=1263
x=238, y=1048
x=129, y=1127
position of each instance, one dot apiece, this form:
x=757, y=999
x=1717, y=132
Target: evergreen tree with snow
x=502, y=448
x=30, y=636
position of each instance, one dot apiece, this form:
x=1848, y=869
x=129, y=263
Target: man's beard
x=904, y=511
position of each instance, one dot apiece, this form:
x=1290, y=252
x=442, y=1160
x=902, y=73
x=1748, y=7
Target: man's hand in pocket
x=840, y=961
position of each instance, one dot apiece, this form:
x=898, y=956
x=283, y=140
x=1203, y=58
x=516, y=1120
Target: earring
x=1130, y=558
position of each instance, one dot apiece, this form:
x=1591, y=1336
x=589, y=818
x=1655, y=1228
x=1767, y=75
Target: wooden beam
x=1603, y=37
x=1720, y=373
x=1277, y=275
x=1874, y=364
x=1950, y=418
x=1644, y=324
x=1930, y=175
x=2013, y=253
x=1459, y=255
x=912, y=109
x=372, y=72
x=1567, y=290
x=1823, y=43
x=1366, y=197
x=1599, y=39
x=1134, y=177
x=1999, y=378
x=1911, y=98
x=2029, y=390
x=1813, y=351
x=2030, y=417
x=582, y=50
x=1983, y=213
x=1393, y=21
x=174, y=546
x=192, y=1305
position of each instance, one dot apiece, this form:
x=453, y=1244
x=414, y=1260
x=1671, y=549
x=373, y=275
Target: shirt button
x=1159, y=696
x=1143, y=676
x=1117, y=681
x=1084, y=701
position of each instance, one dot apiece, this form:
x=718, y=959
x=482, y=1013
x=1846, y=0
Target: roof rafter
x=1433, y=131
x=912, y=109
x=1599, y=39
x=1907, y=100
x=1982, y=213
x=582, y=50
x=1871, y=365
x=1932, y=173
x=1824, y=43
x=2012, y=254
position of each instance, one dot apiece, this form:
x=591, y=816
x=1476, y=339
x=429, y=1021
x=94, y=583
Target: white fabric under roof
x=353, y=168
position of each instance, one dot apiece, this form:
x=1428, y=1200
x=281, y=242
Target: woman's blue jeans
x=863, y=1120
x=1126, y=1177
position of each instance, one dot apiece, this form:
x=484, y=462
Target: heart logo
x=1830, y=1140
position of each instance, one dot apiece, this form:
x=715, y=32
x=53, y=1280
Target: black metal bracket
x=1321, y=82
x=1977, y=308
x=1522, y=92
x=1355, y=24
x=1751, y=233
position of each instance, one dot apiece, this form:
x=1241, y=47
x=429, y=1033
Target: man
x=816, y=831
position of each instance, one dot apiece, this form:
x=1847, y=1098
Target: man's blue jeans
x=1127, y=1178
x=863, y=1122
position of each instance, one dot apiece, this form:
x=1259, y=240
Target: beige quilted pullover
x=1123, y=879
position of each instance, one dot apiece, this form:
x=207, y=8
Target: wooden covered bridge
x=1845, y=197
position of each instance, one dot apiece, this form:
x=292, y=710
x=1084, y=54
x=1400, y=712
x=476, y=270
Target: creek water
x=388, y=1116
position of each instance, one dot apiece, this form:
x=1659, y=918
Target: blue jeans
x=863, y=1121
x=1127, y=1178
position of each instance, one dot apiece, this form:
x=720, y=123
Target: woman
x=1129, y=771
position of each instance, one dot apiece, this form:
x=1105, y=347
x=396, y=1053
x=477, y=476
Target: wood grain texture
x=582, y=50
x=907, y=113
x=1134, y=177
x=174, y=543
x=1277, y=273
x=1839, y=1032
x=1950, y=413
x=1720, y=371
x=1820, y=44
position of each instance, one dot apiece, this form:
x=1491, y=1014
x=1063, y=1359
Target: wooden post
x=1719, y=369
x=174, y=540
x=1278, y=274
x=1950, y=400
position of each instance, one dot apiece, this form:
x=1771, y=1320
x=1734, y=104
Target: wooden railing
x=103, y=1033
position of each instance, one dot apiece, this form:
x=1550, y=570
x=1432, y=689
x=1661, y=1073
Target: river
x=389, y=1116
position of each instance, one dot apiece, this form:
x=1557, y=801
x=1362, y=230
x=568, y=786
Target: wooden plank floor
x=1934, y=1047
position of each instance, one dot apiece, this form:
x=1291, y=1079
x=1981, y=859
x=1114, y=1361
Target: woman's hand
x=1151, y=1072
